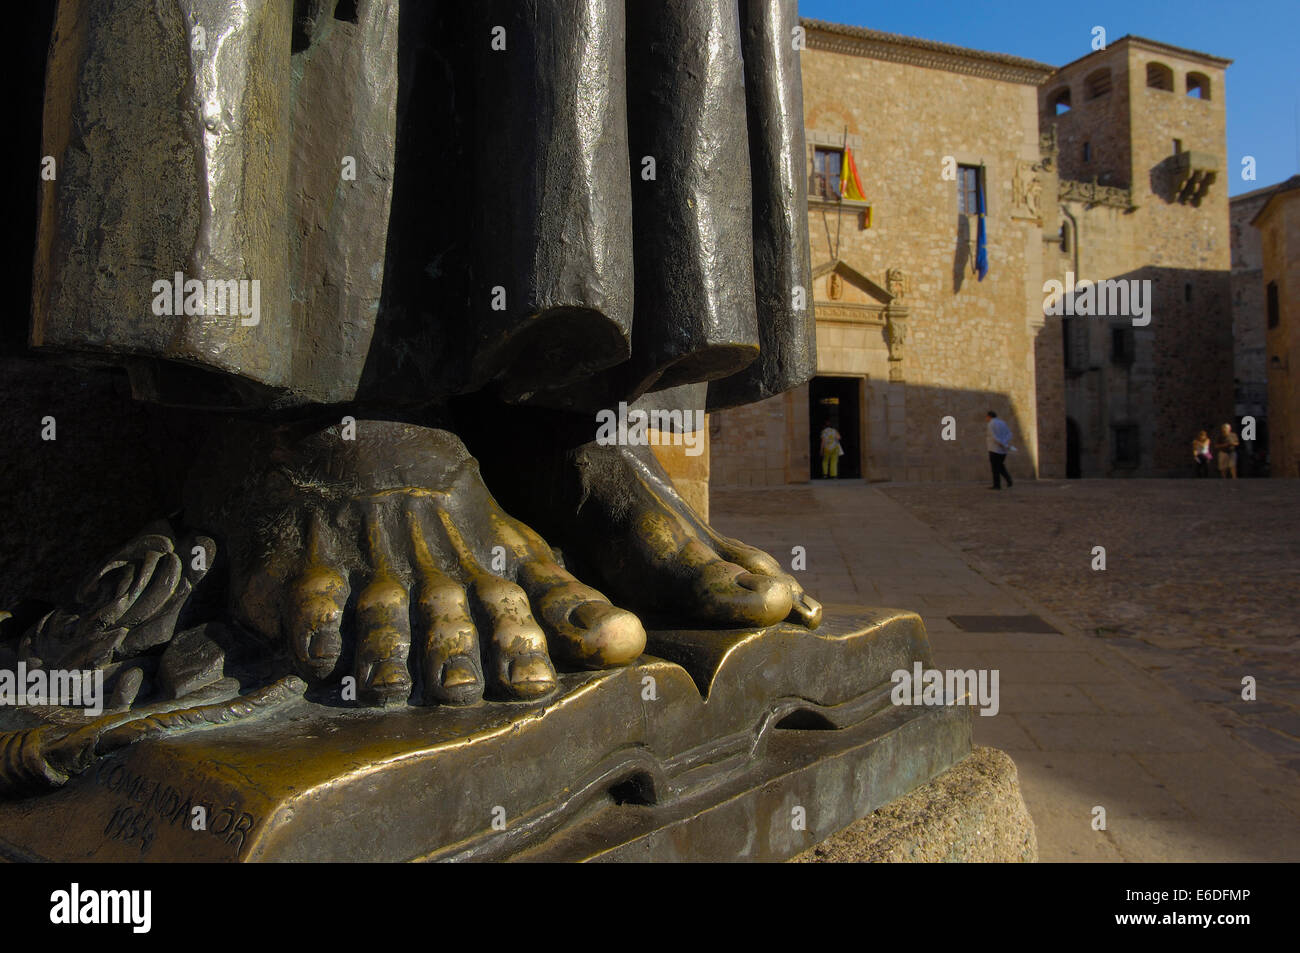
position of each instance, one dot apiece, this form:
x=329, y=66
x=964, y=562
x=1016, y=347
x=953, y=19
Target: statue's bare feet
x=626, y=526
x=354, y=551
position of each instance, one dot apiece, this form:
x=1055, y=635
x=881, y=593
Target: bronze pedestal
x=722, y=745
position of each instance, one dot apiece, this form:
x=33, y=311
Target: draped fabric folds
x=563, y=202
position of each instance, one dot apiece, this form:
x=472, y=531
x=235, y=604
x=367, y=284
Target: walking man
x=999, y=444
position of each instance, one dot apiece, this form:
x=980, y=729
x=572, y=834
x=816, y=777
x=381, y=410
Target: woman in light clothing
x=831, y=451
x=1201, y=454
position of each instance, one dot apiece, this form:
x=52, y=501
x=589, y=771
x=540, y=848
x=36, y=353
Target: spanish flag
x=850, y=184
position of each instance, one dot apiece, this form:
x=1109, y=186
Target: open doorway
x=835, y=399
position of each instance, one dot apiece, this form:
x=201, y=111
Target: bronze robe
x=564, y=203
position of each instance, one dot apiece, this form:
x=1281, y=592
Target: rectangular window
x=968, y=184
x=1273, y=316
x=827, y=164
x=1121, y=345
x=1126, y=445
x=1087, y=152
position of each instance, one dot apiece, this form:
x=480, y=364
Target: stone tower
x=1142, y=158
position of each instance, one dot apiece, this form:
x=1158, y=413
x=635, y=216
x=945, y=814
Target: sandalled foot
x=374, y=547
x=647, y=547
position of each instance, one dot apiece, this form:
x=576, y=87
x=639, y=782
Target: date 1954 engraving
x=147, y=805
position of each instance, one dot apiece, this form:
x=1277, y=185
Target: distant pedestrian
x=1201, y=454
x=831, y=451
x=999, y=444
x=1226, y=445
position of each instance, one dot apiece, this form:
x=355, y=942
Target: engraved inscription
x=129, y=824
x=145, y=806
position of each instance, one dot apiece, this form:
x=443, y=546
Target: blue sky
x=1262, y=37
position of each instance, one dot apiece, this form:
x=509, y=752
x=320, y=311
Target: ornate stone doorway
x=838, y=400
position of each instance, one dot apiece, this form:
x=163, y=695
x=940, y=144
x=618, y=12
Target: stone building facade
x=913, y=347
x=1142, y=145
x=1278, y=222
x=908, y=338
x=1249, y=318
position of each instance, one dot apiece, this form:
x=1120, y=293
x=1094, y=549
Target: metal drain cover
x=1002, y=623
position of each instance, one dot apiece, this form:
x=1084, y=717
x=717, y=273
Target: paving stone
x=1072, y=840
x=1196, y=840
x=936, y=624
x=1001, y=731
x=1004, y=623
x=1070, y=667
x=1119, y=698
x=1116, y=782
x=1012, y=642
x=1268, y=741
x=1215, y=788
x=1063, y=699
x=1108, y=733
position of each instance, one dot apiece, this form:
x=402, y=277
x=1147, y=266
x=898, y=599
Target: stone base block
x=972, y=813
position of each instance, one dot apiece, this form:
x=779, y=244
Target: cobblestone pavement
x=1201, y=585
x=1134, y=705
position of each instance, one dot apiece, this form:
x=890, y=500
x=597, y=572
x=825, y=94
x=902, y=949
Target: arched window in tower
x=1198, y=85
x=1059, y=102
x=1098, y=83
x=1160, y=76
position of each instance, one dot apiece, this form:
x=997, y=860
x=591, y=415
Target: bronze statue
x=540, y=251
x=396, y=257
